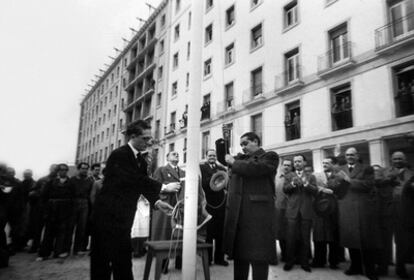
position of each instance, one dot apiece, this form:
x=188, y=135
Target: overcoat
x=358, y=215
x=161, y=223
x=249, y=227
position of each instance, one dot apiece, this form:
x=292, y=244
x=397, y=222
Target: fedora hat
x=324, y=204
x=219, y=181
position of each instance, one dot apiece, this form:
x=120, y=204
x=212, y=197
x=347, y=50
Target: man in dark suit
x=249, y=223
x=215, y=206
x=300, y=189
x=114, y=210
x=358, y=217
x=390, y=188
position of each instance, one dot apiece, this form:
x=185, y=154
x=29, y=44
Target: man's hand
x=164, y=207
x=229, y=159
x=171, y=187
x=327, y=191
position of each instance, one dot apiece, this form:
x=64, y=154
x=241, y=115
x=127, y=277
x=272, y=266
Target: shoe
x=306, y=268
x=222, y=263
x=352, y=272
x=287, y=267
x=39, y=259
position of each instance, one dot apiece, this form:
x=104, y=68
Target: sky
x=49, y=52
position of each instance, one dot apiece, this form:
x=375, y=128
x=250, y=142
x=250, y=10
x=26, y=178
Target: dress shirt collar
x=299, y=173
x=133, y=149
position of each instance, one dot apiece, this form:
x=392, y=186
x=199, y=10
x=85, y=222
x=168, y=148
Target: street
x=23, y=267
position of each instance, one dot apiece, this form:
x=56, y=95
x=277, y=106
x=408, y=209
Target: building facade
x=310, y=77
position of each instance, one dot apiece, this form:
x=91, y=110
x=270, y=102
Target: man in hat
x=249, y=224
x=114, y=210
x=300, y=189
x=358, y=217
x=215, y=206
x=325, y=223
x=390, y=193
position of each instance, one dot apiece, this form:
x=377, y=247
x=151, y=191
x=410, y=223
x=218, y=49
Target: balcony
x=336, y=60
x=140, y=75
x=205, y=112
x=225, y=108
x=395, y=34
x=142, y=52
x=170, y=130
x=254, y=95
x=287, y=82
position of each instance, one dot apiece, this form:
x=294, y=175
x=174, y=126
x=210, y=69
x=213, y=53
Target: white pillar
x=317, y=157
x=376, y=152
x=193, y=135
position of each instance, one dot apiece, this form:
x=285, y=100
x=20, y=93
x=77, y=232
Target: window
x=176, y=32
x=107, y=133
x=122, y=104
x=256, y=122
x=230, y=17
x=175, y=60
x=229, y=93
x=187, y=80
x=161, y=46
x=292, y=120
x=341, y=107
x=404, y=89
x=189, y=20
x=106, y=153
x=115, y=107
x=229, y=54
x=205, y=143
x=290, y=14
x=163, y=20
x=113, y=129
x=119, y=143
x=177, y=6
x=256, y=82
x=159, y=96
x=188, y=50
x=208, y=34
x=109, y=113
x=185, y=151
x=207, y=67
x=174, y=89
x=401, y=17
x=121, y=123
x=171, y=147
x=209, y=4
x=205, y=108
x=157, y=129
x=172, y=121
x=257, y=39
x=254, y=3
x=160, y=72
x=339, y=44
x=116, y=91
x=117, y=71
x=292, y=66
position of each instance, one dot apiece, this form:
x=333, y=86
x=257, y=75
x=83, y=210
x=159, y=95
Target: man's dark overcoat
x=249, y=227
x=358, y=215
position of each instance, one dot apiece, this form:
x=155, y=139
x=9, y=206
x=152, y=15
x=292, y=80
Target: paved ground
x=23, y=267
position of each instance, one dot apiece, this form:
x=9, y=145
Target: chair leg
x=148, y=265
x=206, y=266
x=158, y=266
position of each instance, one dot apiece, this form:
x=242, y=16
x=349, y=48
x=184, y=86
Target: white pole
x=193, y=135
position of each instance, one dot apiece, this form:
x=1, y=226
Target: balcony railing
x=289, y=80
x=395, y=32
x=254, y=94
x=336, y=57
x=225, y=106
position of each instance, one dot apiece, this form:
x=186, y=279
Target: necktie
x=176, y=170
x=350, y=168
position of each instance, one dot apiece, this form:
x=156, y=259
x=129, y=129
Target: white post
x=193, y=135
x=376, y=152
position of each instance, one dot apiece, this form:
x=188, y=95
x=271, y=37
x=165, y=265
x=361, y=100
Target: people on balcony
x=205, y=111
x=342, y=113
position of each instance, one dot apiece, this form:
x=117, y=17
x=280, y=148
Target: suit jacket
x=250, y=224
x=358, y=215
x=299, y=198
x=125, y=180
x=161, y=223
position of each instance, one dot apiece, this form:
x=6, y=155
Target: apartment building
x=307, y=76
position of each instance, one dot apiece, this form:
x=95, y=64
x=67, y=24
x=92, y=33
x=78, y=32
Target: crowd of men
x=353, y=207
x=53, y=213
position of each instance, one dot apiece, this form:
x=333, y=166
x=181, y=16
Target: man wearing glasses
x=125, y=179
